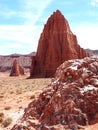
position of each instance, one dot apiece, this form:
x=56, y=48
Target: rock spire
x=57, y=44
x=16, y=69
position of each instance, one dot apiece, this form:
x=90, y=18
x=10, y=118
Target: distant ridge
x=92, y=52
x=24, y=60
x=7, y=60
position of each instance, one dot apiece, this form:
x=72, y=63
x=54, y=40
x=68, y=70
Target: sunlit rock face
x=69, y=102
x=56, y=44
x=16, y=69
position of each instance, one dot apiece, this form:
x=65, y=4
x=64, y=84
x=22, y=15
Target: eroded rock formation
x=24, y=60
x=16, y=69
x=56, y=44
x=70, y=102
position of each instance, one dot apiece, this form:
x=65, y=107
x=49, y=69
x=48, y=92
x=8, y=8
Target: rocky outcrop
x=56, y=44
x=16, y=69
x=6, y=61
x=70, y=102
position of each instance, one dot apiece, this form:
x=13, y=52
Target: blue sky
x=22, y=21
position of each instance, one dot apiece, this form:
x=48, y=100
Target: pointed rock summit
x=16, y=69
x=56, y=44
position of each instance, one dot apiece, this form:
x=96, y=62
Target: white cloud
x=94, y=3
x=19, y=38
x=27, y=10
x=87, y=35
x=14, y=38
x=32, y=10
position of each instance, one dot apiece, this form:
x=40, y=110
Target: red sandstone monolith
x=16, y=69
x=56, y=44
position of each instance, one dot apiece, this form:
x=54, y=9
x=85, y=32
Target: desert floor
x=15, y=95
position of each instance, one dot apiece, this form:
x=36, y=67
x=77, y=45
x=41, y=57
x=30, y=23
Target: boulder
x=69, y=102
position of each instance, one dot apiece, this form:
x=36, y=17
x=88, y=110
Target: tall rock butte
x=56, y=44
x=16, y=69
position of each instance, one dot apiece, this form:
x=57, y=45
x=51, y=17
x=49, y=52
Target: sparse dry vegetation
x=7, y=108
x=7, y=122
x=4, y=121
x=1, y=117
x=10, y=86
x=15, y=94
x=1, y=96
x=32, y=97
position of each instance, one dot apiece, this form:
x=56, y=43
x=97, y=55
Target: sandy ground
x=15, y=95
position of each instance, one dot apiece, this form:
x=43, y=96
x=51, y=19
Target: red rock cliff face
x=16, y=69
x=56, y=44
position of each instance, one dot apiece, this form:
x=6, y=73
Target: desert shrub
x=1, y=116
x=18, y=91
x=32, y=97
x=7, y=108
x=11, y=92
x=1, y=96
x=7, y=122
